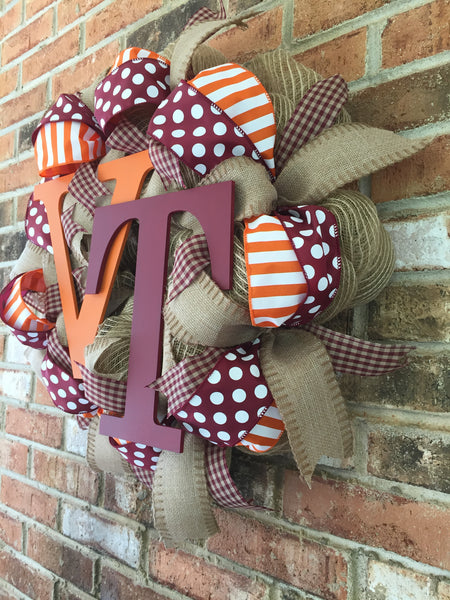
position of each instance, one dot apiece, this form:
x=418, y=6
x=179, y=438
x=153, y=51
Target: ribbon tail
x=360, y=357
x=300, y=376
x=181, y=505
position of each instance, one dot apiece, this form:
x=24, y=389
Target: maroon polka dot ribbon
x=138, y=79
x=231, y=400
x=138, y=455
x=37, y=228
x=67, y=136
x=66, y=392
x=314, y=235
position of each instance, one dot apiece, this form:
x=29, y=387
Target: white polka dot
x=54, y=379
x=141, y=446
x=138, y=463
x=117, y=89
x=197, y=111
x=81, y=387
x=59, y=102
x=298, y=242
x=125, y=72
x=178, y=133
x=158, y=133
x=319, y=230
x=44, y=379
x=309, y=271
x=200, y=168
x=238, y=151
x=198, y=150
x=214, y=377
x=116, y=109
x=67, y=108
x=139, y=101
x=139, y=454
x=46, y=228
x=167, y=79
x=238, y=132
x=242, y=416
x=72, y=390
x=152, y=91
x=179, y=150
x=154, y=458
x=216, y=397
x=54, y=118
x=254, y=370
x=22, y=338
x=77, y=116
x=326, y=248
x=177, y=96
x=138, y=79
x=150, y=67
x=261, y=391
x=332, y=231
x=239, y=395
x=323, y=284
x=195, y=400
x=65, y=376
x=40, y=240
x=314, y=309
x=72, y=406
x=126, y=93
x=310, y=300
x=31, y=231
x=317, y=251
x=163, y=103
x=178, y=116
x=204, y=432
x=220, y=128
x=107, y=86
x=122, y=449
x=261, y=411
x=219, y=150
x=182, y=414
x=153, y=467
x=39, y=220
x=200, y=417
x=159, y=120
x=230, y=356
x=220, y=418
x=53, y=396
x=223, y=435
x=287, y=224
x=33, y=211
x=335, y=262
x=332, y=293
x=308, y=217
x=242, y=351
x=199, y=131
x=235, y=373
x=99, y=103
x=106, y=106
x=188, y=427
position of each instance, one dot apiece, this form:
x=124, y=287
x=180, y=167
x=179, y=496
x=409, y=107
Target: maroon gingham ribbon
x=144, y=475
x=220, y=483
x=106, y=393
x=127, y=137
x=360, y=357
x=53, y=304
x=70, y=227
x=36, y=301
x=57, y=352
x=315, y=112
x=206, y=14
x=191, y=257
x=85, y=187
x=166, y=164
x=181, y=381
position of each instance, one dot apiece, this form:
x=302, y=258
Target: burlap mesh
x=206, y=57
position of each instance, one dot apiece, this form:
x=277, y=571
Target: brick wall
x=374, y=529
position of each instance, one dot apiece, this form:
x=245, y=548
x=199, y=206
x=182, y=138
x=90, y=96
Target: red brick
x=424, y=173
x=7, y=143
x=13, y=456
x=41, y=395
x=29, y=501
x=2, y=346
x=22, y=203
x=116, y=586
x=404, y=103
x=115, y=17
x=61, y=559
x=30, y=103
x=415, y=34
x=71, y=10
x=6, y=218
x=86, y=71
x=66, y=475
x=344, y=55
x=263, y=33
x=34, y=425
x=127, y=497
x=11, y=531
x=63, y=48
x=8, y=80
x=26, y=579
x=32, y=7
x=11, y=19
x=406, y=527
x=28, y=37
x=198, y=579
x=307, y=565
x=311, y=17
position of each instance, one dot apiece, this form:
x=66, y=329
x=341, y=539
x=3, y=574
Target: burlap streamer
x=301, y=378
x=101, y=456
x=30, y=259
x=339, y=155
x=181, y=506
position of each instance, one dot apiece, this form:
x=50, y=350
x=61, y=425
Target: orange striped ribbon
x=266, y=433
x=134, y=53
x=243, y=98
x=276, y=282
x=16, y=312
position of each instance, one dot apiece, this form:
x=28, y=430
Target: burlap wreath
x=202, y=322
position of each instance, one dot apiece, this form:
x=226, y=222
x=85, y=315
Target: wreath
x=251, y=366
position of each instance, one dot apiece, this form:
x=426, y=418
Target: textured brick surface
x=406, y=527
x=18, y=175
x=128, y=497
x=8, y=81
x=24, y=578
x=13, y=456
x=34, y=425
x=71, y=10
x=115, y=586
x=15, y=384
x=28, y=37
x=304, y=564
x=29, y=500
x=386, y=581
x=11, y=531
x=7, y=142
x=344, y=55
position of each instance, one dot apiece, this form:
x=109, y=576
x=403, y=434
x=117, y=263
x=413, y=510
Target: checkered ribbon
x=221, y=486
x=360, y=357
x=70, y=228
x=191, y=257
x=206, y=14
x=315, y=112
x=83, y=422
x=85, y=187
x=58, y=353
x=181, y=381
x=79, y=279
x=53, y=304
x=166, y=164
x=36, y=301
x=144, y=475
x=127, y=137
x=106, y=393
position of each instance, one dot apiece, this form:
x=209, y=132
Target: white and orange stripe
x=276, y=282
x=134, y=52
x=61, y=146
x=243, y=98
x=266, y=433
x=16, y=312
